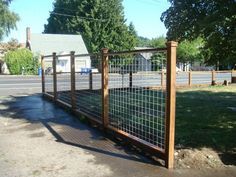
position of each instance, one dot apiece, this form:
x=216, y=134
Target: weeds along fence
x=124, y=92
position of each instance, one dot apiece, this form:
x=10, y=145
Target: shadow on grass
x=204, y=119
x=39, y=112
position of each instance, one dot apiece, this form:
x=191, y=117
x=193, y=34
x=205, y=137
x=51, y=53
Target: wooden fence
x=120, y=95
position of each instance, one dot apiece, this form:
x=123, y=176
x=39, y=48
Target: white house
x=46, y=44
x=143, y=60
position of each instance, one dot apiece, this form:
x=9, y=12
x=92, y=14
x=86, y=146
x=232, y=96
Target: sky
x=144, y=14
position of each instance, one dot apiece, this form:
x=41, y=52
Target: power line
x=79, y=17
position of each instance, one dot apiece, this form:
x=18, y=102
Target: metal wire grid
x=63, y=79
x=137, y=108
x=48, y=76
x=182, y=78
x=88, y=87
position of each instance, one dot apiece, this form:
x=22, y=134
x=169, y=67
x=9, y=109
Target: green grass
x=203, y=118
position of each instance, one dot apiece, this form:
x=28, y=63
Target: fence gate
x=131, y=93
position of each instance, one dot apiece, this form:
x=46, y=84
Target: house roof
x=46, y=44
x=146, y=55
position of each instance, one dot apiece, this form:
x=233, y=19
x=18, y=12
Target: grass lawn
x=204, y=119
x=203, y=115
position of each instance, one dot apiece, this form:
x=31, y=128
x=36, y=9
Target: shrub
x=21, y=61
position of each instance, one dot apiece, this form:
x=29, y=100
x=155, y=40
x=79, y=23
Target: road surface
x=32, y=84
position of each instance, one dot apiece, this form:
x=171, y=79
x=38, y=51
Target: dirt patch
x=198, y=159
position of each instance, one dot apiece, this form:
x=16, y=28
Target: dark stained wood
x=43, y=74
x=130, y=79
x=105, y=98
x=91, y=80
x=190, y=78
x=54, y=65
x=72, y=74
x=162, y=79
x=213, y=81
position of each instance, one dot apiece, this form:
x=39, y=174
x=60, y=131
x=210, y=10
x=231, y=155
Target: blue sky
x=145, y=15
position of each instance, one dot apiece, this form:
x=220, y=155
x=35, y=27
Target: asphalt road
x=10, y=85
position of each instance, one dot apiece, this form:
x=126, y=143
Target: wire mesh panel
x=136, y=96
x=182, y=78
x=88, y=85
x=63, y=69
x=48, y=70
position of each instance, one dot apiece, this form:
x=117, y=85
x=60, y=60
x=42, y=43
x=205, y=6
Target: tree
x=159, y=58
x=13, y=44
x=158, y=42
x=215, y=21
x=21, y=61
x=100, y=22
x=190, y=51
x=143, y=41
x=8, y=19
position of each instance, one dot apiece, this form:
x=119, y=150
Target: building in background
x=46, y=44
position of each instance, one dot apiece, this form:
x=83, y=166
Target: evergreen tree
x=100, y=22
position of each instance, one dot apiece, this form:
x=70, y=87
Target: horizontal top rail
x=77, y=55
x=64, y=55
x=113, y=53
x=224, y=71
x=47, y=56
x=88, y=55
x=137, y=51
x=204, y=72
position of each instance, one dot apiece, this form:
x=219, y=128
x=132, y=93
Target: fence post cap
x=104, y=50
x=72, y=52
x=171, y=44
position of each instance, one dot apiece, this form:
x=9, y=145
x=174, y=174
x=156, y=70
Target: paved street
x=32, y=84
x=10, y=85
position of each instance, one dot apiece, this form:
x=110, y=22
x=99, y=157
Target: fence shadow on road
x=66, y=128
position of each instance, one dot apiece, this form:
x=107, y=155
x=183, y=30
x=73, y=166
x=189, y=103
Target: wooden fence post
x=43, y=74
x=54, y=65
x=90, y=80
x=162, y=79
x=170, y=104
x=190, y=78
x=130, y=79
x=72, y=80
x=232, y=76
x=213, y=81
x=105, y=97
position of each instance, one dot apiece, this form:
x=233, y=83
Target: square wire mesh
x=136, y=95
x=182, y=78
x=88, y=85
x=48, y=71
x=63, y=69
